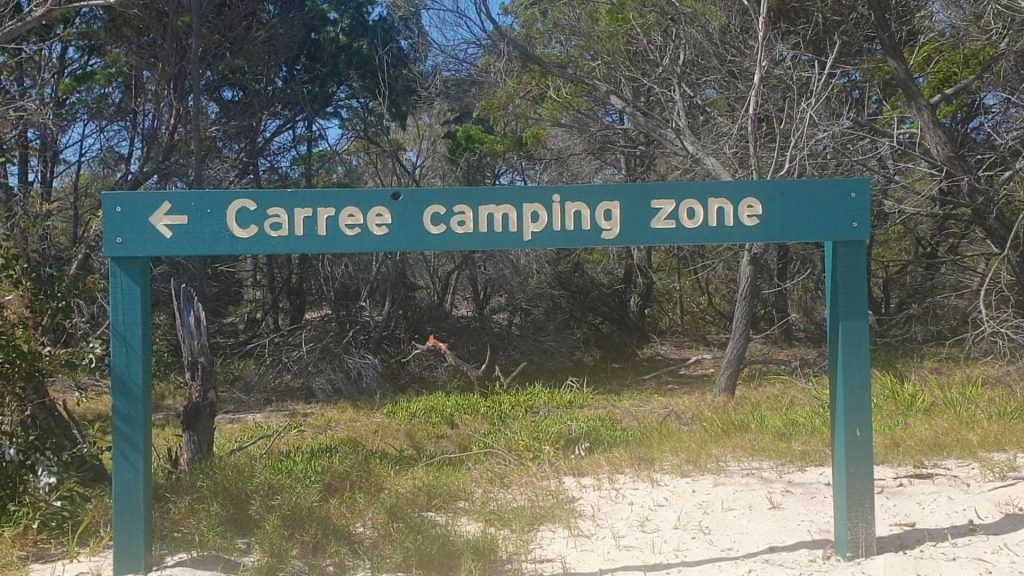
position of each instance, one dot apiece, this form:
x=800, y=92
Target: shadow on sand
x=900, y=542
x=207, y=563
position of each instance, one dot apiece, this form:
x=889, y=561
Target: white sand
x=179, y=565
x=756, y=521
x=753, y=520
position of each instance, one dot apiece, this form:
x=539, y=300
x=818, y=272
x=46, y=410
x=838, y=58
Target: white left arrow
x=161, y=219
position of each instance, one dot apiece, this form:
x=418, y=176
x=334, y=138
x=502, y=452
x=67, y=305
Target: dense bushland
x=924, y=97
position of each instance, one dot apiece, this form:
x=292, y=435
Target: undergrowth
x=10, y=563
x=456, y=482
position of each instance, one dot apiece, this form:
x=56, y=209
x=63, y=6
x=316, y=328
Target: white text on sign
x=245, y=219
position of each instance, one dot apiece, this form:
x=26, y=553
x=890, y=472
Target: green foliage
x=90, y=80
x=474, y=139
x=940, y=65
x=944, y=66
x=500, y=406
x=21, y=364
x=332, y=501
x=903, y=395
x=532, y=424
x=20, y=359
x=39, y=485
x=39, y=294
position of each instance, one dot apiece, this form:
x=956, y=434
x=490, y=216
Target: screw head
x=118, y=208
x=854, y=224
x=853, y=194
x=119, y=240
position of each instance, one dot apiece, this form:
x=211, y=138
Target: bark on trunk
x=742, y=321
x=780, y=296
x=196, y=131
x=6, y=191
x=298, y=300
x=76, y=186
x=200, y=410
x=22, y=141
x=638, y=294
x=748, y=288
x=680, y=311
x=251, y=292
x=479, y=291
x=273, y=282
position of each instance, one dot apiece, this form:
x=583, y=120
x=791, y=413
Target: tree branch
x=954, y=91
x=939, y=141
x=681, y=142
x=28, y=20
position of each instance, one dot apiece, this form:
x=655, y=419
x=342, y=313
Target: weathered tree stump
x=200, y=410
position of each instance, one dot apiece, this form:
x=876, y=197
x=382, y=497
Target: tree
x=684, y=77
x=21, y=16
x=963, y=124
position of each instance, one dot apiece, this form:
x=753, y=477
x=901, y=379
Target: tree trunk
x=251, y=293
x=742, y=321
x=22, y=141
x=196, y=130
x=24, y=176
x=43, y=156
x=5, y=183
x=298, y=300
x=780, y=296
x=76, y=187
x=273, y=282
x=250, y=276
x=200, y=410
x=638, y=294
x=680, y=312
x=479, y=291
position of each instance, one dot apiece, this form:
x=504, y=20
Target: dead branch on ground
x=701, y=357
x=485, y=371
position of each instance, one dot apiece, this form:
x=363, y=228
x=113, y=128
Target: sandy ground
x=947, y=519
x=180, y=565
x=757, y=521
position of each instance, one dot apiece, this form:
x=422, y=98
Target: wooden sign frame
x=139, y=226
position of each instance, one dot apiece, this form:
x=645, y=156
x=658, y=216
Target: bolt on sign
x=139, y=226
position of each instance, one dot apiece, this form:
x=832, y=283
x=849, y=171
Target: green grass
x=455, y=482
x=10, y=564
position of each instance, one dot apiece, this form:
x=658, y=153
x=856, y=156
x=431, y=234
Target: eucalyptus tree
x=313, y=75
x=934, y=95
x=696, y=90
x=954, y=111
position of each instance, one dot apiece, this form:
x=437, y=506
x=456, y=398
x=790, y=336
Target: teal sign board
x=142, y=225
x=213, y=222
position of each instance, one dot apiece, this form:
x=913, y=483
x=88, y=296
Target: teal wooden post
x=853, y=487
x=130, y=373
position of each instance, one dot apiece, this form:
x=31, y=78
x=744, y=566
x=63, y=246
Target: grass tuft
x=456, y=482
x=10, y=563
